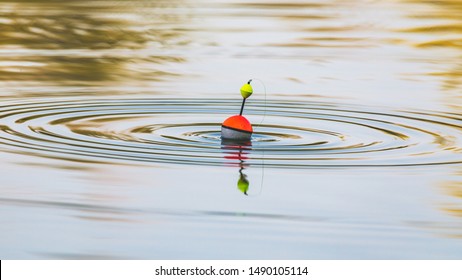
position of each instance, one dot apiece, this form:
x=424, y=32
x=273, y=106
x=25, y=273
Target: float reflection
x=237, y=153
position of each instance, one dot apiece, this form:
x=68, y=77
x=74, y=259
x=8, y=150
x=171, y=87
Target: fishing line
x=259, y=125
x=264, y=104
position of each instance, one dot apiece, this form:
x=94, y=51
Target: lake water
x=110, y=115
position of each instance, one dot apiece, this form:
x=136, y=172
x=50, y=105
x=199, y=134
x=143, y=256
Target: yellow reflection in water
x=444, y=32
x=83, y=42
x=454, y=208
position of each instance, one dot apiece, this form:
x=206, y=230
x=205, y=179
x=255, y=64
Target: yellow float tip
x=246, y=90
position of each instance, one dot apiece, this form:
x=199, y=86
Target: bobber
x=238, y=128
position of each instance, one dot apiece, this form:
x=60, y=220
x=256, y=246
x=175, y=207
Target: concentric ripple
x=187, y=131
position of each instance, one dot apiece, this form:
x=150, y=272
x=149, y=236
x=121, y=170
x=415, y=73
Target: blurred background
x=369, y=50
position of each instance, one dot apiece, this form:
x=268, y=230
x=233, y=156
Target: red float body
x=236, y=128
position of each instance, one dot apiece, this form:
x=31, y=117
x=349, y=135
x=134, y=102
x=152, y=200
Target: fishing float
x=237, y=127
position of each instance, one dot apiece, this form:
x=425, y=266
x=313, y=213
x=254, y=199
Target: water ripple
x=187, y=131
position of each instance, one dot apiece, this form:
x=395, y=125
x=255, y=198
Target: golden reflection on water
x=445, y=32
x=84, y=42
x=455, y=190
x=104, y=42
x=454, y=208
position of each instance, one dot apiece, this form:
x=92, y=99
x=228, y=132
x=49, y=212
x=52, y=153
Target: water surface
x=110, y=116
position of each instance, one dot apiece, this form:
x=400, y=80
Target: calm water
x=110, y=116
